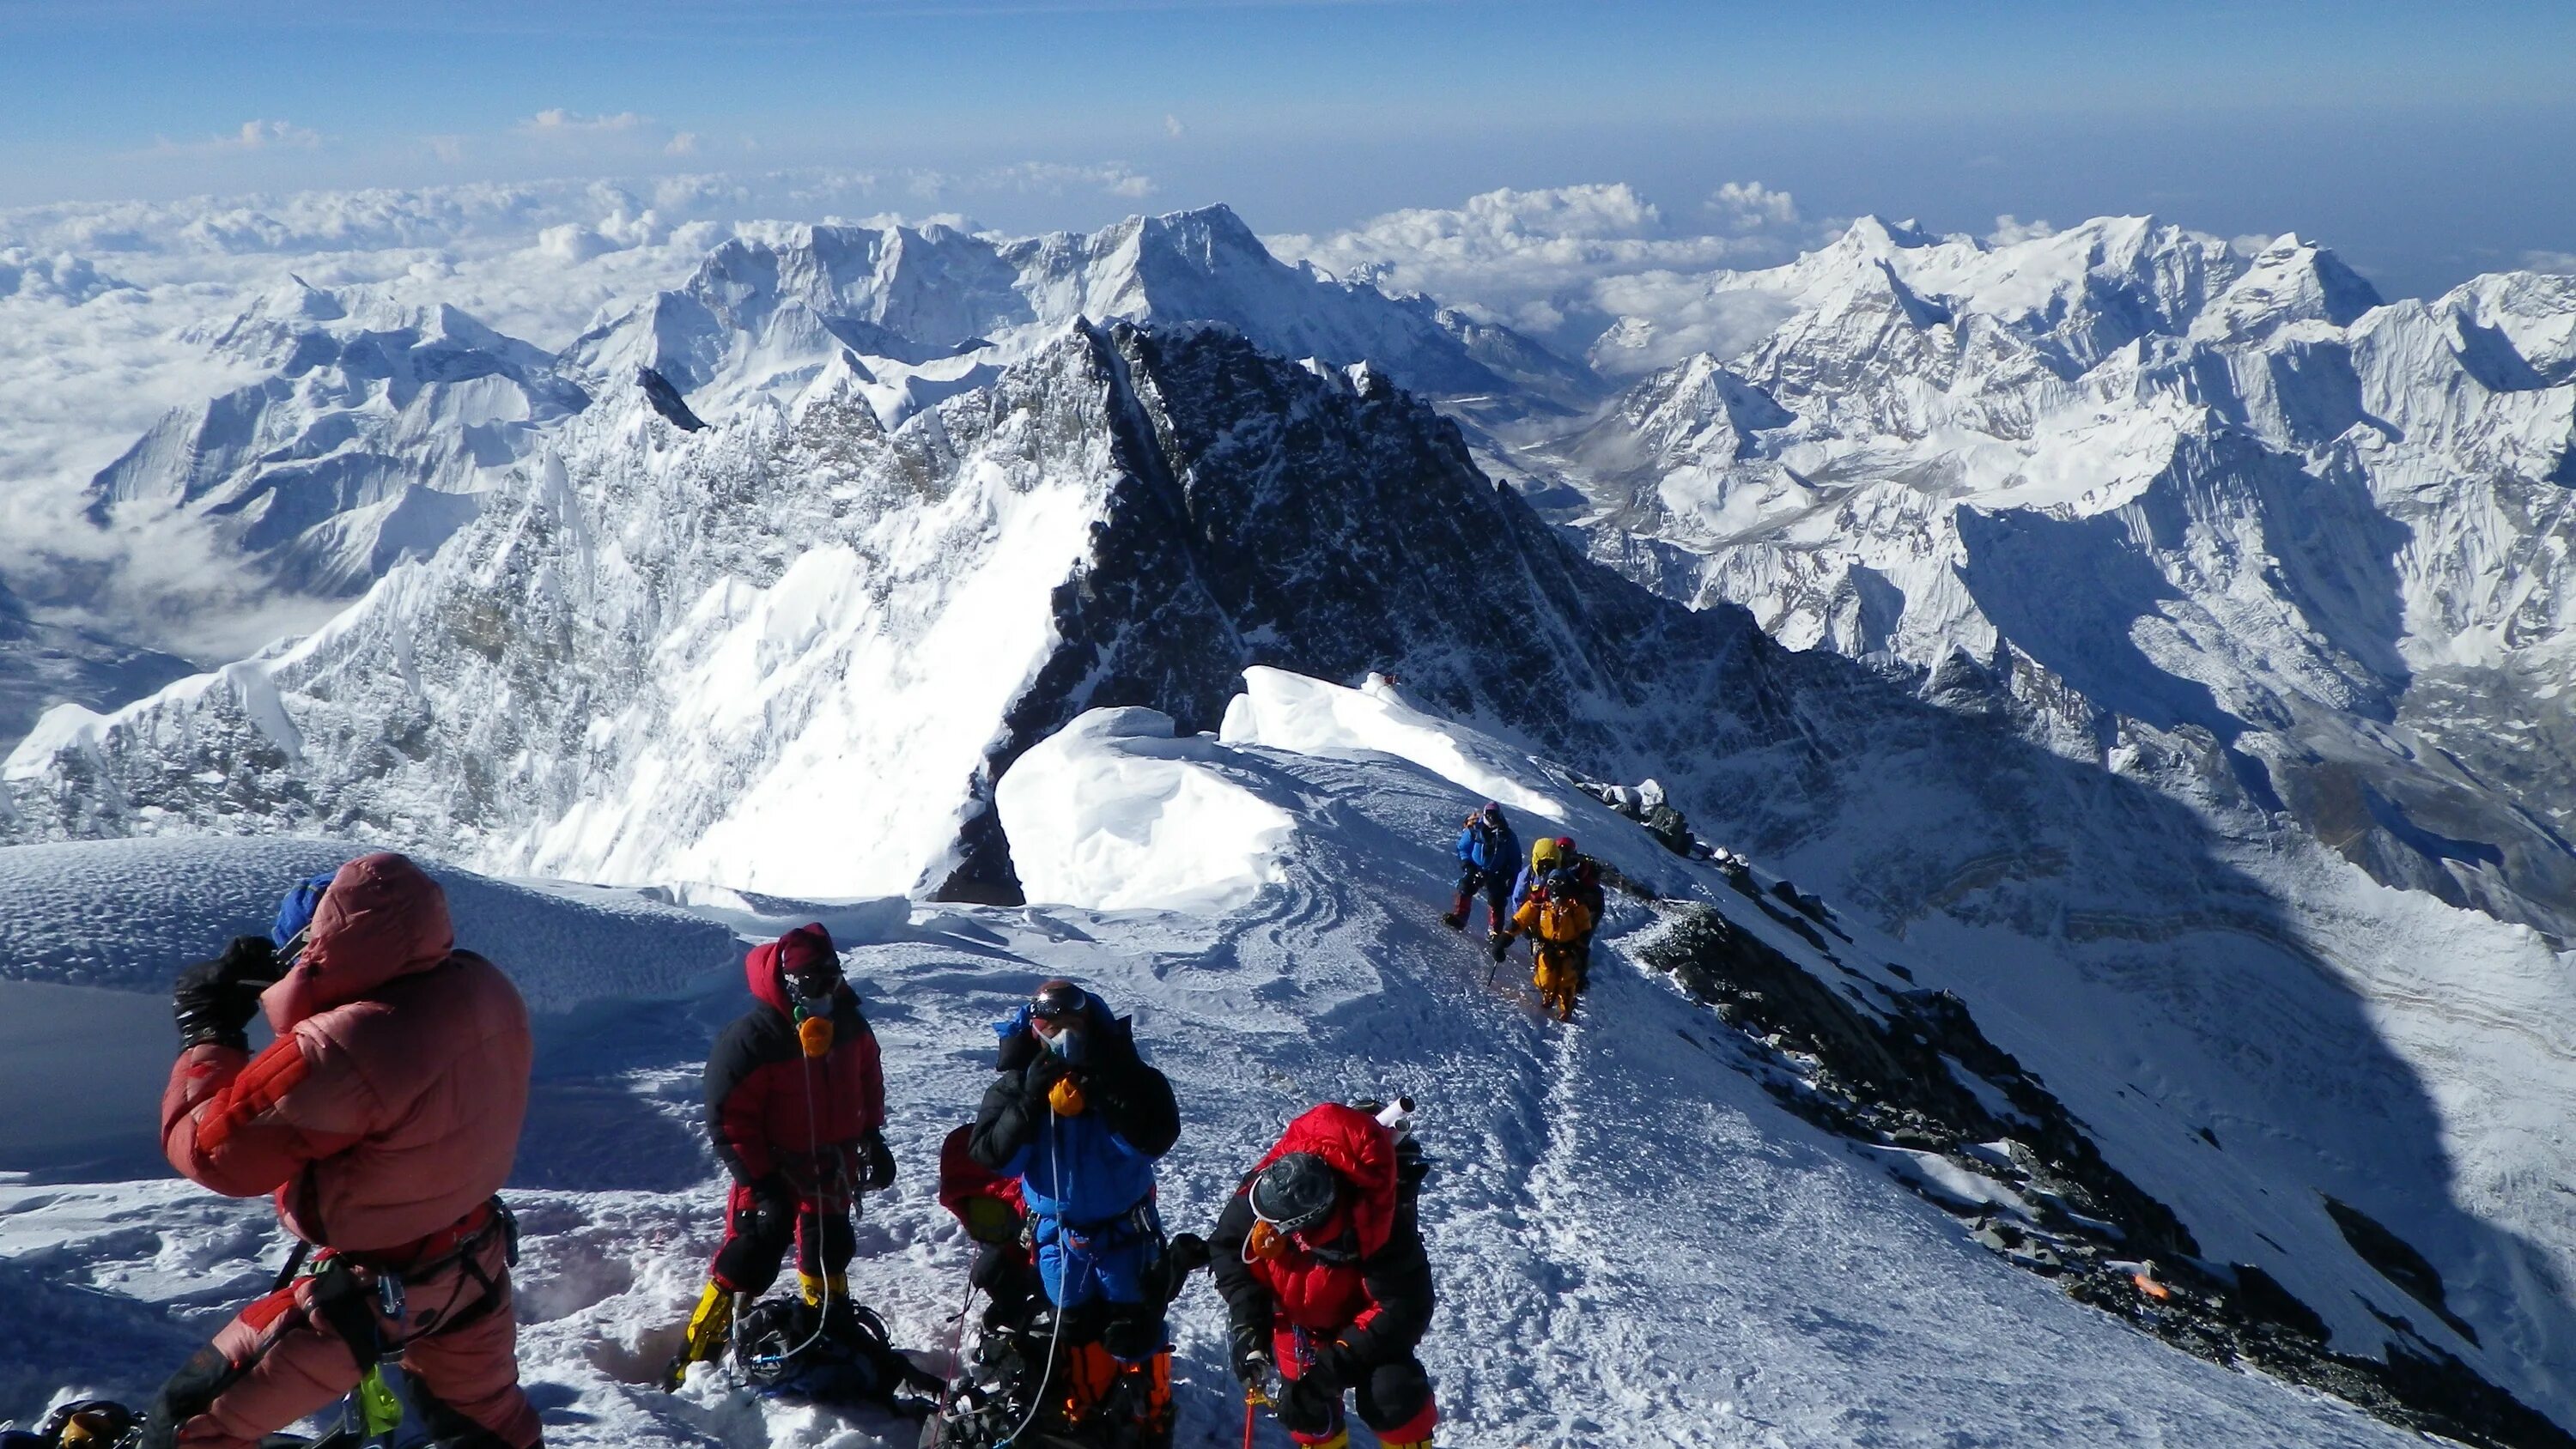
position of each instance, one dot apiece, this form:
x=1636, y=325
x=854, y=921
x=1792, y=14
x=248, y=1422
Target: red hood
x=764, y=965
x=383, y=917
x=1355, y=1146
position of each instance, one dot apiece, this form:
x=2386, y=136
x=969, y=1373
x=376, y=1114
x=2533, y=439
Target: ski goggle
x=1057, y=1005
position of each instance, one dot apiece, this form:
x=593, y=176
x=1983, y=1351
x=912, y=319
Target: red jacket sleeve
x=245, y=1125
x=741, y=1138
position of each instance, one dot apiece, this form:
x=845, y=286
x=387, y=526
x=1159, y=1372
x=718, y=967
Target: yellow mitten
x=1066, y=1097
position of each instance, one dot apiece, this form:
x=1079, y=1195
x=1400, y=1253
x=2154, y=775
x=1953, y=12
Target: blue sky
x=2425, y=142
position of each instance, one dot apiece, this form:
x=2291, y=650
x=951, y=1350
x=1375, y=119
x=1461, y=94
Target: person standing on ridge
x=1319, y=1256
x=796, y=1110
x=384, y=1118
x=1079, y=1118
x=1488, y=852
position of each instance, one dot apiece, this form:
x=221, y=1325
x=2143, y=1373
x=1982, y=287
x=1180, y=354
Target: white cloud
x=1750, y=206
x=253, y=136
x=2549, y=261
x=1171, y=125
x=556, y=121
x=683, y=144
x=2010, y=229
x=449, y=149
x=1544, y=260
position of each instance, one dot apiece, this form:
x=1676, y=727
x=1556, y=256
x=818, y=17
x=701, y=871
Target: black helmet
x=1295, y=1193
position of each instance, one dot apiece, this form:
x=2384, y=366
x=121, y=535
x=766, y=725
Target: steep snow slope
x=1713, y=1272
x=2122, y=471
x=694, y=655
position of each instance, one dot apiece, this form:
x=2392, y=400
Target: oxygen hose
x=1055, y=1337
x=823, y=1318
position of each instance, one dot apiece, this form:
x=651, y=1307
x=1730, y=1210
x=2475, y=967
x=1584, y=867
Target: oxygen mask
x=813, y=995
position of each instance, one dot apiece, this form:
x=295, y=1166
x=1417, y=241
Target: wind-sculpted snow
x=1114, y=812
x=2124, y=471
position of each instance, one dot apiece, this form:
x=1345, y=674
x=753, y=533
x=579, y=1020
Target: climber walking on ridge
x=1559, y=926
x=1488, y=853
x=796, y=1109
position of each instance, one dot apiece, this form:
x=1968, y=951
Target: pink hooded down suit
x=383, y=1119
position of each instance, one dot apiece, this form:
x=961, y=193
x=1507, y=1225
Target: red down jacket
x=389, y=1105
x=1361, y=1277
x=770, y=1108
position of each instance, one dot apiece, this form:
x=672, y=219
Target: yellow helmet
x=1543, y=854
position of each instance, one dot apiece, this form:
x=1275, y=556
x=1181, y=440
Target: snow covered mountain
x=687, y=656
x=2124, y=472
x=1735, y=1265
x=769, y=313
x=365, y=440
x=2198, y=598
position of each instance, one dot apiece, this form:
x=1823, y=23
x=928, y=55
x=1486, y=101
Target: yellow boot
x=709, y=1326
x=813, y=1288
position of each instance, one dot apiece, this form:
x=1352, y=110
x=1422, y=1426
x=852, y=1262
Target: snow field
x=1635, y=1245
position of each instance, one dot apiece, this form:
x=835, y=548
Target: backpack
x=779, y=1351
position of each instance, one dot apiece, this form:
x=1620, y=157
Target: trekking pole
x=1247, y=1419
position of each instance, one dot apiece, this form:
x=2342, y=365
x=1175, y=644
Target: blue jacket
x=1092, y=1168
x=1490, y=849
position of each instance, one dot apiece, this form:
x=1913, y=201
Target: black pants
x=755, y=1247
x=1496, y=889
x=1389, y=1396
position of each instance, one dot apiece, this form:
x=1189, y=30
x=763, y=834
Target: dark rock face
x=667, y=401
x=1333, y=525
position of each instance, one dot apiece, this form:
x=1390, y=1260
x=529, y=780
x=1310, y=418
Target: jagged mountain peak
x=766, y=313
x=2289, y=282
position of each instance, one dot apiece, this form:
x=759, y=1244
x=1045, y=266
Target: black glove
x=876, y=1163
x=1502, y=945
x=1042, y=1075
x=214, y=1000
x=1254, y=1370
x=772, y=1210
